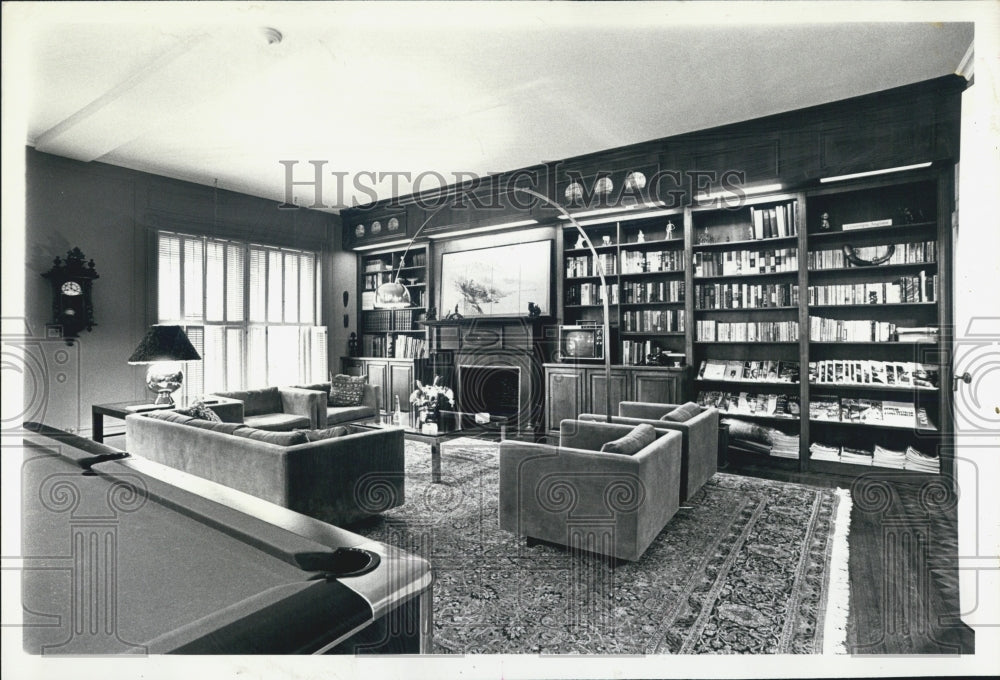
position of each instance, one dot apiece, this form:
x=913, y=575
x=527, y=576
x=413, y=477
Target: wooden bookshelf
x=393, y=334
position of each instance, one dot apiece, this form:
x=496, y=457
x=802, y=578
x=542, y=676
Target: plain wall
x=112, y=215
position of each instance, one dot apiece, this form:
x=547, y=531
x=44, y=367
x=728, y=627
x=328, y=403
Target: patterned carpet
x=746, y=570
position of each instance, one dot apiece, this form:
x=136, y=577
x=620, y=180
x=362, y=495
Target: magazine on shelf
x=734, y=369
x=899, y=413
x=926, y=375
x=824, y=407
x=788, y=372
x=715, y=370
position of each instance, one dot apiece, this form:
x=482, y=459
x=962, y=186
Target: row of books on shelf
x=867, y=330
x=917, y=288
x=709, y=330
x=398, y=346
x=738, y=369
x=734, y=262
x=590, y=294
x=637, y=261
x=638, y=292
x=873, y=373
x=373, y=281
x=634, y=352
x=387, y=320
x=587, y=265
x=902, y=253
x=746, y=295
x=880, y=456
x=751, y=404
x=653, y=321
x=869, y=412
x=776, y=221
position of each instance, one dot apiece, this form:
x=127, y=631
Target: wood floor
x=903, y=564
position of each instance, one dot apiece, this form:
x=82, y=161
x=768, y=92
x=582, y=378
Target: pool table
x=124, y=556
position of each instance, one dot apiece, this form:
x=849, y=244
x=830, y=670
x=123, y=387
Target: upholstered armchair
x=700, y=438
x=279, y=408
x=329, y=412
x=575, y=495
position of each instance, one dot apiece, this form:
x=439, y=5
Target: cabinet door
x=564, y=396
x=378, y=374
x=597, y=382
x=400, y=385
x=658, y=387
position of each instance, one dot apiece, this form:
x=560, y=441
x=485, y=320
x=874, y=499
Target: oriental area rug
x=751, y=567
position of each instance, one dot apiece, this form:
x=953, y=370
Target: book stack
x=409, y=347
x=917, y=334
x=775, y=221
x=738, y=370
x=887, y=458
x=903, y=253
x=586, y=265
x=855, y=456
x=377, y=322
x=638, y=292
x=736, y=262
x=921, y=462
x=785, y=445
x=638, y=261
x=843, y=330
x=746, y=296
x=653, y=321
x=709, y=330
x=916, y=288
x=818, y=451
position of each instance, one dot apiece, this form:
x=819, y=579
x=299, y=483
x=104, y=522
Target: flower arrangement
x=426, y=399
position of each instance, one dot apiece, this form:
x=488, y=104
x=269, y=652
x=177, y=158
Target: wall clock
x=72, y=304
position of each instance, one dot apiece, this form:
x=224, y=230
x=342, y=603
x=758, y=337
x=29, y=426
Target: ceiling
x=202, y=95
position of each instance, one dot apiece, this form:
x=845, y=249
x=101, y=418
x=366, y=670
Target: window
x=251, y=311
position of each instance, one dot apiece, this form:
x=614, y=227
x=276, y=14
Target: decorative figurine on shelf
x=641, y=238
x=580, y=242
x=703, y=237
x=750, y=235
x=432, y=313
x=455, y=315
x=911, y=215
x=352, y=345
x=606, y=240
x=670, y=229
x=824, y=221
x=534, y=311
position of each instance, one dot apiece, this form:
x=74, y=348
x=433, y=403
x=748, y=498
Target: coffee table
x=452, y=425
x=228, y=409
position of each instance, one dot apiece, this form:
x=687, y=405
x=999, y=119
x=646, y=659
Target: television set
x=581, y=343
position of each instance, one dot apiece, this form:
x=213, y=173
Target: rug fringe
x=838, y=597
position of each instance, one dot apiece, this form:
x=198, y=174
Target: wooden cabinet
x=394, y=376
x=571, y=390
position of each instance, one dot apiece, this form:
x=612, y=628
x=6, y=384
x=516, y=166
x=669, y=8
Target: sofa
x=576, y=495
x=278, y=409
x=700, y=437
x=328, y=412
x=338, y=480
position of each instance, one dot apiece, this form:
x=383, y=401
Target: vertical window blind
x=252, y=311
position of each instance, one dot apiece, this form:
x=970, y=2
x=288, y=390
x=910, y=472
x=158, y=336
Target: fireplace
x=490, y=389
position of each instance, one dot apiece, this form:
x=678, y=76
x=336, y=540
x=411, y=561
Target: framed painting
x=497, y=281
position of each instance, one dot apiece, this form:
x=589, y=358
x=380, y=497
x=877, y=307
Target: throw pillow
x=346, y=390
x=201, y=411
x=328, y=433
x=635, y=441
x=682, y=413
x=279, y=438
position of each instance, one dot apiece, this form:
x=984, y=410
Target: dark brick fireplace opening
x=490, y=389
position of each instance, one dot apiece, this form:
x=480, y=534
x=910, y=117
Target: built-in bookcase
x=822, y=313
x=393, y=333
x=645, y=264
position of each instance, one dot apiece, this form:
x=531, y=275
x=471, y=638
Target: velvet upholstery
x=574, y=495
x=339, y=481
x=327, y=415
x=700, y=438
x=279, y=408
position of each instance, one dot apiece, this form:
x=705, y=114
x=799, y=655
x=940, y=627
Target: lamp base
x=164, y=379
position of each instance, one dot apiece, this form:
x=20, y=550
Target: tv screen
x=579, y=344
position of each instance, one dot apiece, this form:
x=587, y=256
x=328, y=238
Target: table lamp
x=164, y=348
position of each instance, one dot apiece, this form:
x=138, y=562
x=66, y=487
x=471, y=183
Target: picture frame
x=497, y=280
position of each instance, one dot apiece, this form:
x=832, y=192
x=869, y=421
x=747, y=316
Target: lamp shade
x=392, y=295
x=164, y=343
